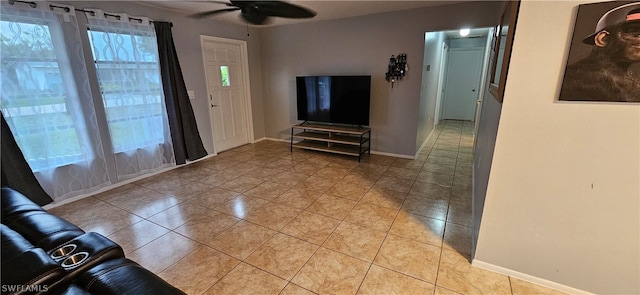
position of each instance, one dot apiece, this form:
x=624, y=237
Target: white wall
x=563, y=197
x=483, y=156
x=429, y=89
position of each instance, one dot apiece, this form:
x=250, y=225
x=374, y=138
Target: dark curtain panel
x=187, y=143
x=16, y=173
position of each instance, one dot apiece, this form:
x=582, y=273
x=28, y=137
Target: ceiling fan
x=258, y=12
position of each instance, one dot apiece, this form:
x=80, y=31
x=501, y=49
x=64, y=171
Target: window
x=224, y=76
x=35, y=102
x=47, y=101
x=129, y=77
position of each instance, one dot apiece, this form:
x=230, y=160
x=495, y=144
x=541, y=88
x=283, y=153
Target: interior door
x=462, y=83
x=226, y=90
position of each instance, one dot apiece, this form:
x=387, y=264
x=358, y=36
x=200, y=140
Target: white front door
x=462, y=83
x=227, y=87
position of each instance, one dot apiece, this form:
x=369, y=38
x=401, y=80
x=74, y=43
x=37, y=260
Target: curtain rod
x=33, y=4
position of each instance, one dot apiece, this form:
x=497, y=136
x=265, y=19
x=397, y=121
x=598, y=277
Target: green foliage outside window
x=224, y=75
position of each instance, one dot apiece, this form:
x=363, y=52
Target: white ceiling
x=328, y=9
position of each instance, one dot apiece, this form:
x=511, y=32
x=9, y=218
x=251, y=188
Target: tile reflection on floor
x=260, y=219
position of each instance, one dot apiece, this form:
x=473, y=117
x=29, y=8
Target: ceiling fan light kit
x=259, y=12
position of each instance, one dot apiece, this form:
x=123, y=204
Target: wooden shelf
x=323, y=147
x=345, y=140
x=329, y=137
x=333, y=128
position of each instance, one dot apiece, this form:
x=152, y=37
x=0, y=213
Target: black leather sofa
x=45, y=254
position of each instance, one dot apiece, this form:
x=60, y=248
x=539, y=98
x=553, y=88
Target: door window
x=224, y=76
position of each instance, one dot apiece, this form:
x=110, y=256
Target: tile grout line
x=381, y=245
x=443, y=234
x=351, y=169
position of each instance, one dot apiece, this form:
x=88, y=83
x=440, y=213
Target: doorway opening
x=462, y=63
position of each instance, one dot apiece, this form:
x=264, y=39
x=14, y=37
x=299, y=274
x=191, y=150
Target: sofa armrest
x=43, y=229
x=122, y=277
x=26, y=269
x=30, y=272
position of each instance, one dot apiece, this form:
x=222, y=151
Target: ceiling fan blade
x=275, y=8
x=213, y=12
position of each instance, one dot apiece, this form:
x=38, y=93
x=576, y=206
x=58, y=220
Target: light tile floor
x=260, y=219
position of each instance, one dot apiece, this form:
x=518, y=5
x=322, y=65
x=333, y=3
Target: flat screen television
x=334, y=99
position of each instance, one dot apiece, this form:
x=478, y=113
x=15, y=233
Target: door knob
x=214, y=105
x=473, y=90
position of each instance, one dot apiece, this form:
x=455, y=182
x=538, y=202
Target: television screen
x=334, y=99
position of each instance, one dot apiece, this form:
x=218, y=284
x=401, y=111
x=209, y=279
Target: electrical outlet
x=192, y=94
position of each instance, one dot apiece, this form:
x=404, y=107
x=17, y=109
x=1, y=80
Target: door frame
x=442, y=76
x=244, y=59
x=483, y=85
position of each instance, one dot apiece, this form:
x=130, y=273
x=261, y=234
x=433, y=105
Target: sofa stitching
x=163, y=281
x=97, y=255
x=61, y=245
x=30, y=282
x=101, y=273
x=41, y=241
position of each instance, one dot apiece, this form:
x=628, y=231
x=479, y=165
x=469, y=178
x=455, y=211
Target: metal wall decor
x=397, y=68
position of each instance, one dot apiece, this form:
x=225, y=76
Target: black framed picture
x=604, y=58
x=501, y=45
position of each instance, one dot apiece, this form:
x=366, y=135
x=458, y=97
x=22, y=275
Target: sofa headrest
x=14, y=203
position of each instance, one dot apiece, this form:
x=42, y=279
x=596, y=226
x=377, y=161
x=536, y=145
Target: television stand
x=345, y=140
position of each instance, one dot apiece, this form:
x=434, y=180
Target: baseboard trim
x=276, y=139
x=121, y=183
x=107, y=188
x=528, y=278
x=261, y=139
x=424, y=143
x=393, y=155
x=372, y=152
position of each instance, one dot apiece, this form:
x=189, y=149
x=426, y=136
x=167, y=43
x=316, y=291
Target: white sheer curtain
x=46, y=98
x=126, y=59
x=47, y=101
